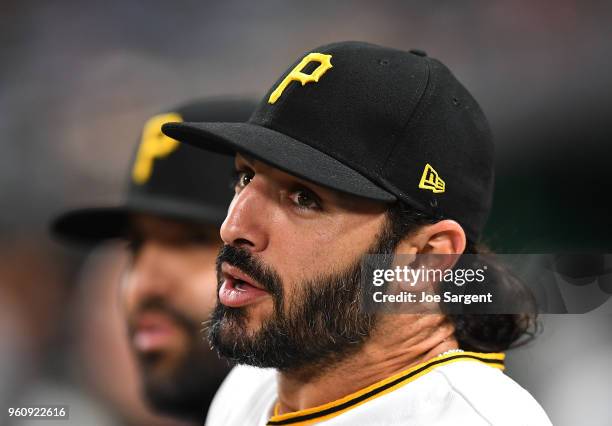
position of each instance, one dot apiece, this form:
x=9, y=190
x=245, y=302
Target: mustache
x=159, y=305
x=250, y=265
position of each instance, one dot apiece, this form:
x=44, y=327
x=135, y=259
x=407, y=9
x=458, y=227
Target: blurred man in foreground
x=176, y=200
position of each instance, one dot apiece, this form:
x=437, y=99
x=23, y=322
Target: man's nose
x=247, y=218
x=150, y=275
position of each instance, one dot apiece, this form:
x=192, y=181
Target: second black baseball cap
x=166, y=178
x=371, y=121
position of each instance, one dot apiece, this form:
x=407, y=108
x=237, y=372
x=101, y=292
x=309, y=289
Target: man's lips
x=238, y=288
x=230, y=271
x=153, y=331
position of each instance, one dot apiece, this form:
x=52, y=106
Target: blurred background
x=78, y=79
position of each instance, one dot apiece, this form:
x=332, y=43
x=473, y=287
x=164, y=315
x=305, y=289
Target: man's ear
x=443, y=237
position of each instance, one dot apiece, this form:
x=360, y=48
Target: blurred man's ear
x=443, y=237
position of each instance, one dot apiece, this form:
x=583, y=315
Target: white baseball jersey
x=461, y=388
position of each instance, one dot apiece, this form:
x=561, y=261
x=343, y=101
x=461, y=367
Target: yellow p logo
x=154, y=144
x=430, y=180
x=296, y=73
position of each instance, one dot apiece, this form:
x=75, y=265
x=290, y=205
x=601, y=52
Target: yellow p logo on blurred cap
x=153, y=145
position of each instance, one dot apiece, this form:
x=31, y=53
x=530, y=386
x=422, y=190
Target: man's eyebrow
x=247, y=158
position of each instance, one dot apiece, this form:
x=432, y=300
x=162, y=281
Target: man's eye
x=242, y=178
x=305, y=200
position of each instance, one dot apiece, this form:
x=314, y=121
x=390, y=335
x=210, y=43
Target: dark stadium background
x=77, y=80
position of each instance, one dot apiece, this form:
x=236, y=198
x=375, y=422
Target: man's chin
x=158, y=366
x=230, y=335
x=182, y=385
x=229, y=332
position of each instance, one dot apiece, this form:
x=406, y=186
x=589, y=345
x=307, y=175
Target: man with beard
x=177, y=197
x=356, y=149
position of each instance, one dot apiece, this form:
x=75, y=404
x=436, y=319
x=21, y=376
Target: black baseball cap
x=166, y=178
x=371, y=121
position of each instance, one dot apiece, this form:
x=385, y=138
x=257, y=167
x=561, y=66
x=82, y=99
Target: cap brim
x=92, y=225
x=280, y=151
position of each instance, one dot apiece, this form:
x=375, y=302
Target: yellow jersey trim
x=339, y=406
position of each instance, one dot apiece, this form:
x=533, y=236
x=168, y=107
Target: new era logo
x=430, y=180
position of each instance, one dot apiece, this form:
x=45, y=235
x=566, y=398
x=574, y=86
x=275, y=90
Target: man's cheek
x=204, y=295
x=316, y=261
x=126, y=297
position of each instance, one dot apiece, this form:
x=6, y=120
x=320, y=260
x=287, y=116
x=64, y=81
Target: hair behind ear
x=477, y=331
x=473, y=331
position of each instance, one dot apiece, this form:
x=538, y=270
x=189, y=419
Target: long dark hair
x=476, y=331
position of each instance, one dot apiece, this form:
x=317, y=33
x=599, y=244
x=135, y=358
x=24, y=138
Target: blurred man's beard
x=325, y=321
x=185, y=391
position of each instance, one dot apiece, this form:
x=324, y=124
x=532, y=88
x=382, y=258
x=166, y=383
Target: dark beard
x=326, y=322
x=188, y=390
